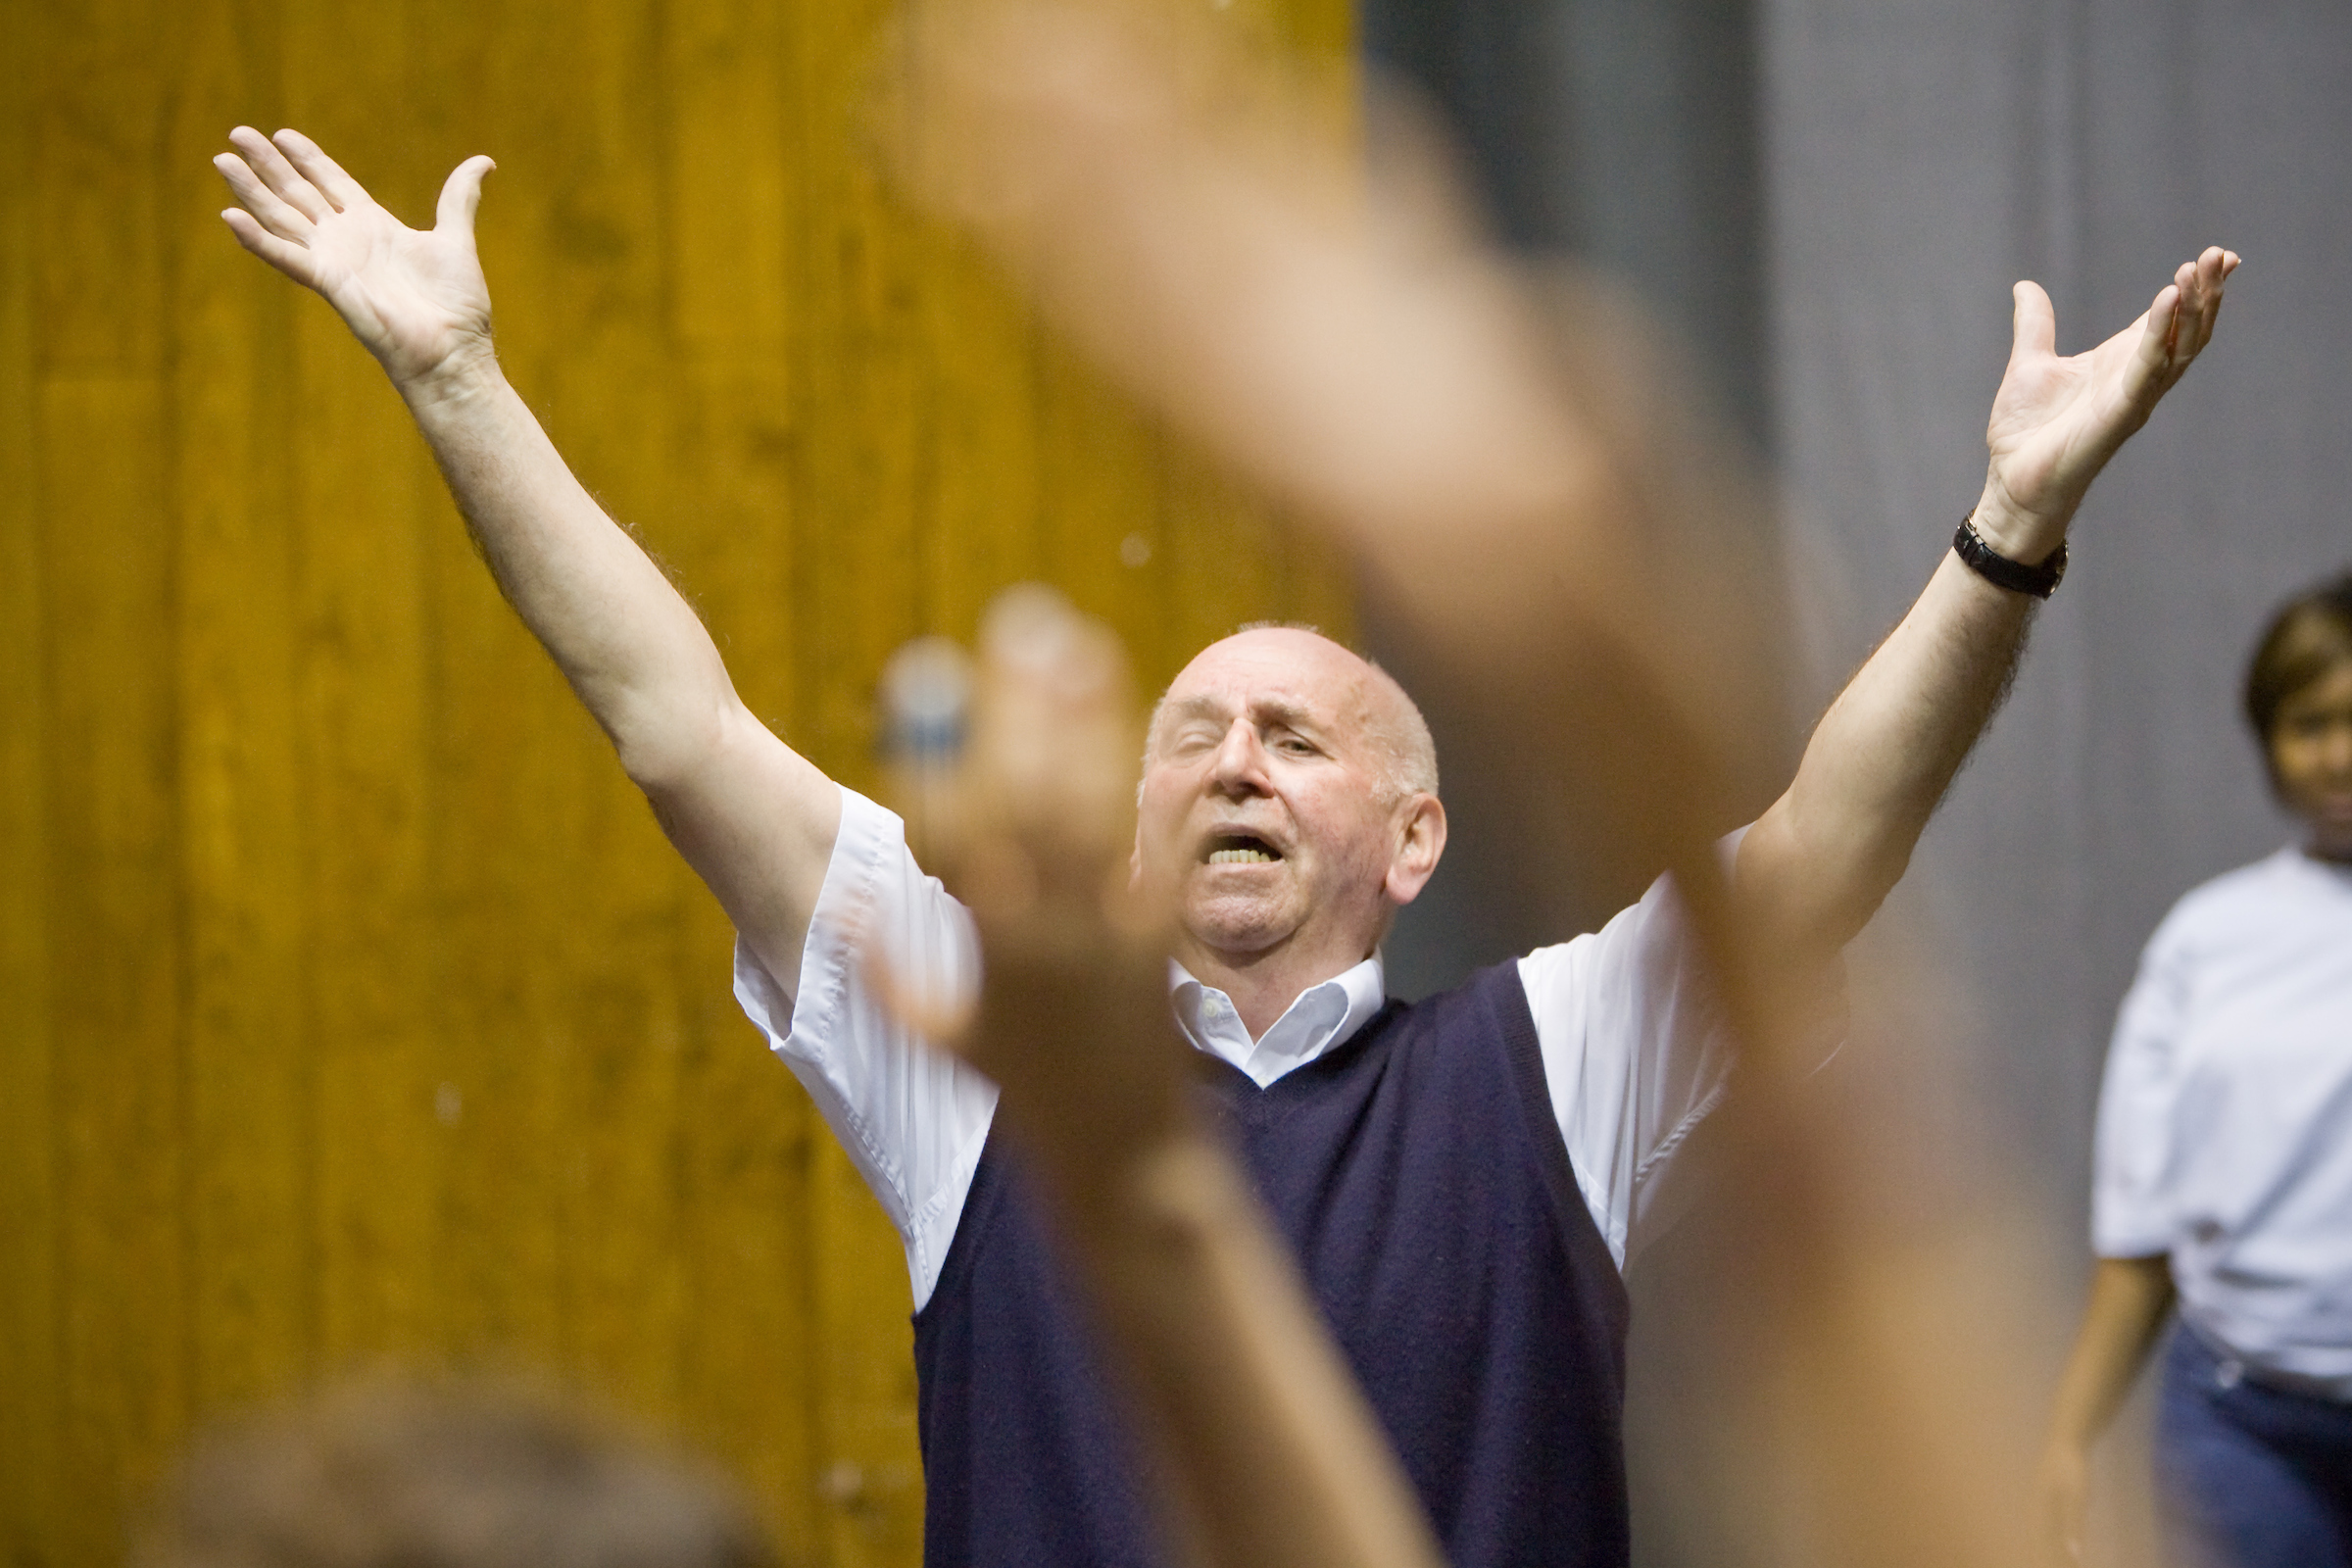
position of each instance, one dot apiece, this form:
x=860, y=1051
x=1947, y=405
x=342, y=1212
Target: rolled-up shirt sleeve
x=911, y=1119
x=2130, y=1208
x=1634, y=1055
x=1637, y=1051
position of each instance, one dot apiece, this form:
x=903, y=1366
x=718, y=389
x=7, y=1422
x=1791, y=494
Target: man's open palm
x=416, y=298
x=2056, y=421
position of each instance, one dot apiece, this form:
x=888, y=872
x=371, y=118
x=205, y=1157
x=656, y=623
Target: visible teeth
x=1240, y=857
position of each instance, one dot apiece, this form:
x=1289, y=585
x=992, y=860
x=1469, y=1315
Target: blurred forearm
x=2128, y=1300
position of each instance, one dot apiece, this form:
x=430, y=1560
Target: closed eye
x=1292, y=745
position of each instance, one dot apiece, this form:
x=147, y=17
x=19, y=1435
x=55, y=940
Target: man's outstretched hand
x=2056, y=421
x=416, y=298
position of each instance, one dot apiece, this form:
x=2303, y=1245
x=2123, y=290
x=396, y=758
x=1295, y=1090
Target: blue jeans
x=2247, y=1475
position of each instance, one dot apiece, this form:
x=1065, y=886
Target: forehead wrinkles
x=1343, y=715
x=1269, y=709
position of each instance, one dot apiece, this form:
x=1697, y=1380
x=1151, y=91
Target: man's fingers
x=2180, y=324
x=2211, y=273
x=258, y=200
x=2200, y=283
x=462, y=196
x=282, y=179
x=2153, y=361
x=325, y=175
x=2199, y=286
x=2033, y=323
x=288, y=258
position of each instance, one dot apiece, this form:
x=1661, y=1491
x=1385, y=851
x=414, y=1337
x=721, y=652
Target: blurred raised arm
x=755, y=819
x=1207, y=227
x=1347, y=342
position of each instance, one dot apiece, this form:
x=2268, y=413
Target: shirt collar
x=1320, y=1019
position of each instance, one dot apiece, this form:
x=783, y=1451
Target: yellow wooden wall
x=350, y=1005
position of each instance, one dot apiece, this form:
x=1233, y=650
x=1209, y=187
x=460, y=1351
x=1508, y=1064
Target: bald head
x=1288, y=809
x=1361, y=694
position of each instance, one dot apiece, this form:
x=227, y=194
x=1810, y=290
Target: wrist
x=2037, y=580
x=459, y=378
x=2014, y=532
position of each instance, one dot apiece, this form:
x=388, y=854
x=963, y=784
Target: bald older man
x=1461, y=1177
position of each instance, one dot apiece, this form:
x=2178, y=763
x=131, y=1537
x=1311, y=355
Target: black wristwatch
x=1999, y=570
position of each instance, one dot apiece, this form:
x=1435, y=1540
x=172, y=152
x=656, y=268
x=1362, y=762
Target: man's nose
x=1238, y=767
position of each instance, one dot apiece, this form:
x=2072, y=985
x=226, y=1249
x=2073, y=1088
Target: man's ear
x=1420, y=840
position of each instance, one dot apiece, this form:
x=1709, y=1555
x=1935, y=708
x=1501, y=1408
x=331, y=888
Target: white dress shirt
x=1633, y=1055
x=2224, y=1131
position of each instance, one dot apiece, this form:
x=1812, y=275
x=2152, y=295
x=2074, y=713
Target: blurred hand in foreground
x=1024, y=805
x=1204, y=226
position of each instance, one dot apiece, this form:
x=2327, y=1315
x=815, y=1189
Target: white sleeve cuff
x=913, y=1120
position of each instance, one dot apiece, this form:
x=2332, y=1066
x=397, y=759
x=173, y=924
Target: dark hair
x=424, y=1475
x=2310, y=636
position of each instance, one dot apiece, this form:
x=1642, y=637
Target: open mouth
x=1240, y=848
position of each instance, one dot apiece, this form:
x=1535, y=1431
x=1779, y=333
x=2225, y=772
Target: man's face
x=2311, y=758
x=1266, y=812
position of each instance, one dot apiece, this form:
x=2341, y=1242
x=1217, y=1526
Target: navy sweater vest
x=1420, y=1175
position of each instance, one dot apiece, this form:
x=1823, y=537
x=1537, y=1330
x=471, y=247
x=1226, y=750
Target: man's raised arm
x=1817, y=864
x=754, y=818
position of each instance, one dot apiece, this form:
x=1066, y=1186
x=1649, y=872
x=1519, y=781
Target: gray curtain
x=1833, y=197
x=1919, y=157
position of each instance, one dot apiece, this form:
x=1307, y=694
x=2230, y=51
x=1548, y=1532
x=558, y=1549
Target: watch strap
x=1998, y=569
